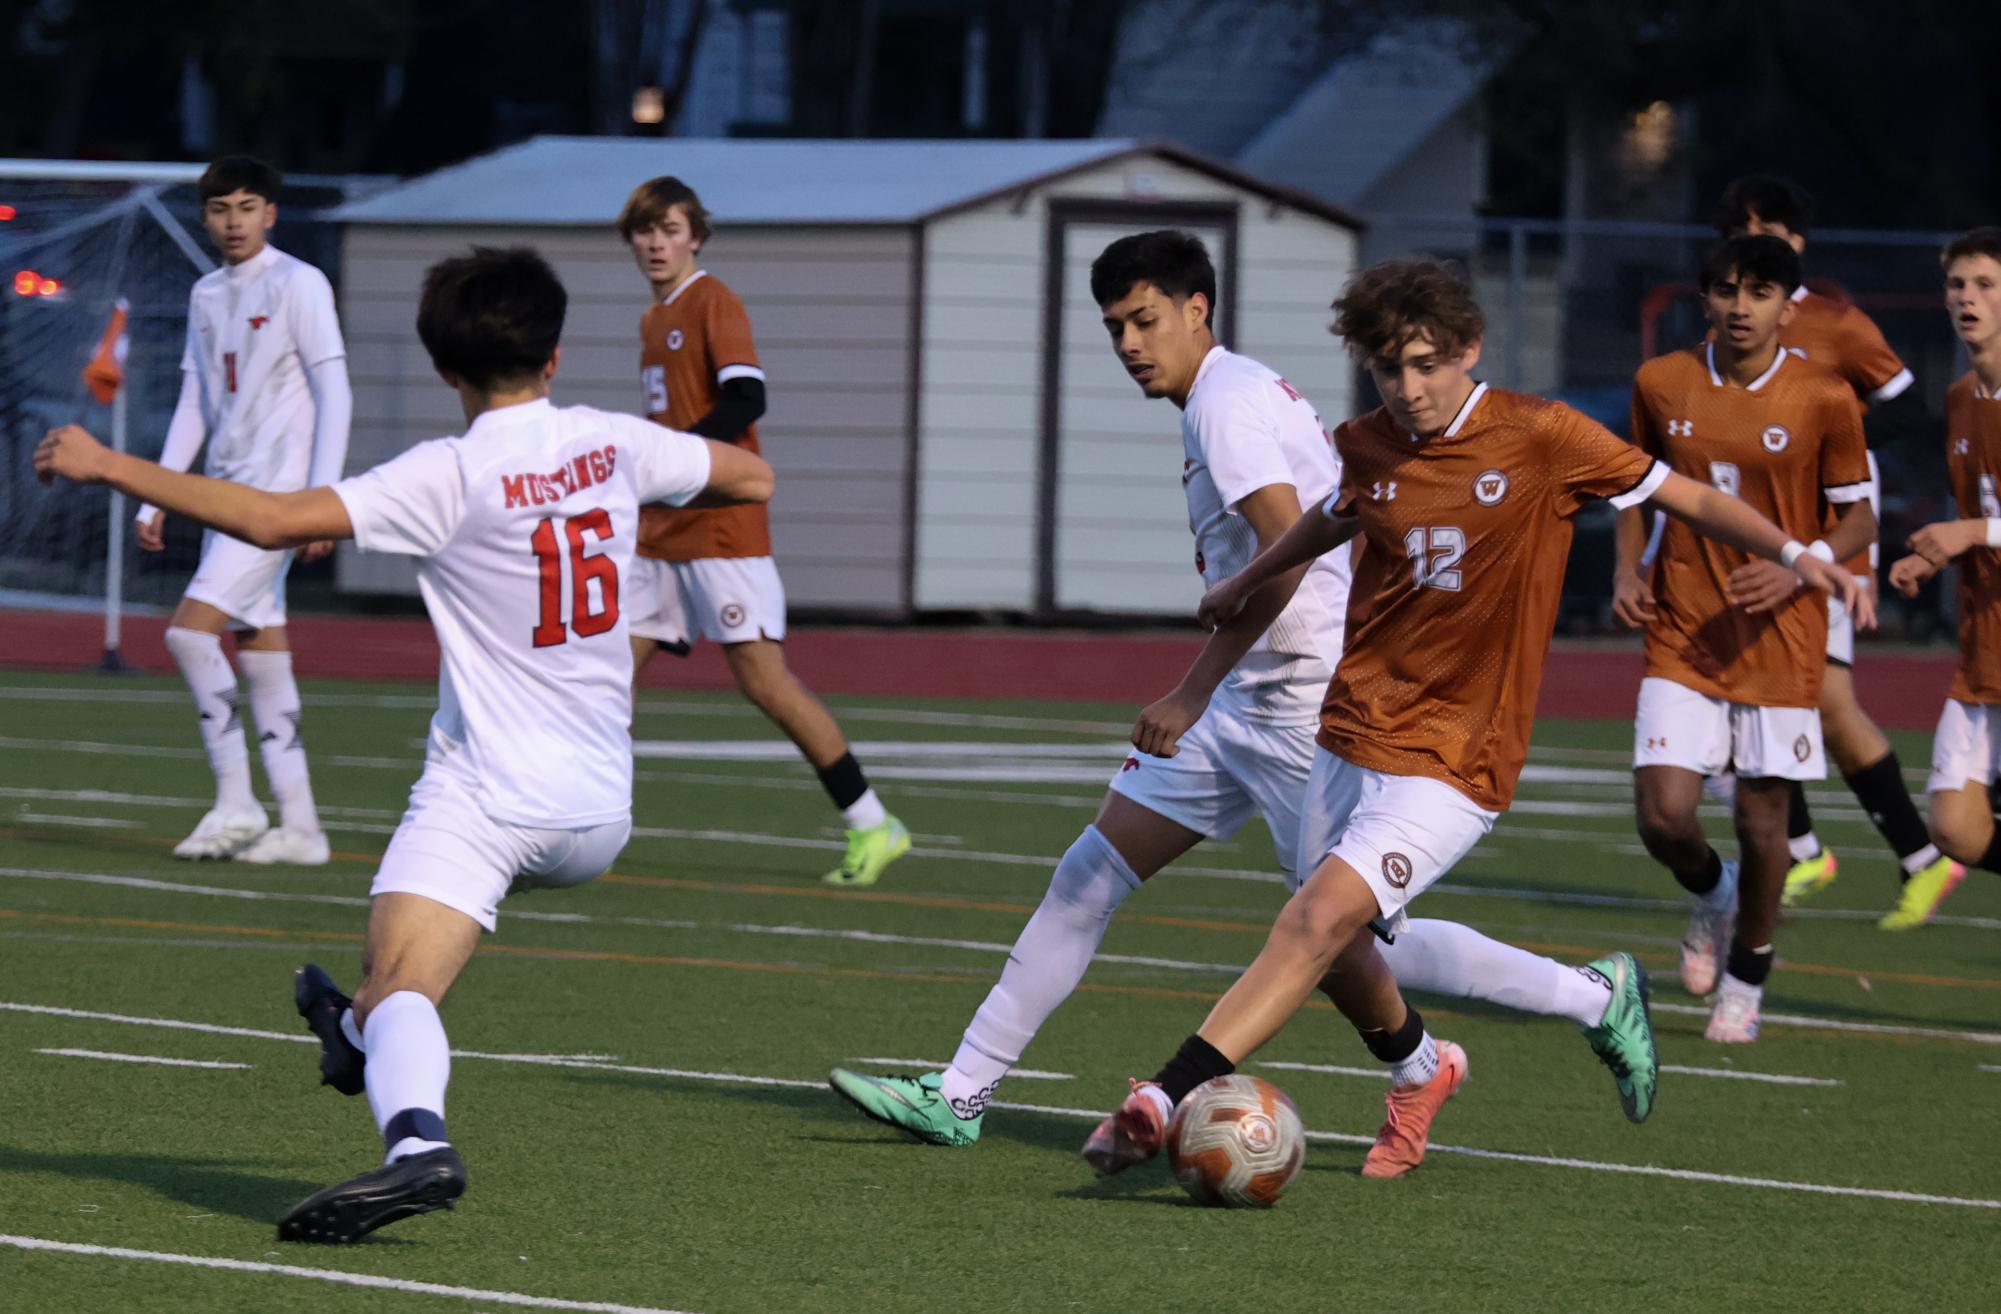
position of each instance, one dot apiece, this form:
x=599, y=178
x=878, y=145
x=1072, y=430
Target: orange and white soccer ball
x=1236, y=1141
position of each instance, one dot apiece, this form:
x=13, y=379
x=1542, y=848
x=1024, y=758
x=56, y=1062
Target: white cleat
x=1709, y=925
x=222, y=834
x=1734, y=1020
x=295, y=848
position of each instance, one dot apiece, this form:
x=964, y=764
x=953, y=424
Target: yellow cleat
x=1806, y=879
x=869, y=851
x=1923, y=893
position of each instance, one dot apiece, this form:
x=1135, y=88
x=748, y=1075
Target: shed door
x=1114, y=523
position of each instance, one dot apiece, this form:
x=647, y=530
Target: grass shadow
x=221, y=1186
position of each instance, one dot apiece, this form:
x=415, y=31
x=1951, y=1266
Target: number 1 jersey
x=523, y=529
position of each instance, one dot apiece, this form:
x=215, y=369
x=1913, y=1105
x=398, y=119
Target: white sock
x=409, y=1062
x=351, y=1031
x=865, y=813
x=1160, y=1101
x=1722, y=788
x=1047, y=962
x=1920, y=860
x=1420, y=1067
x=1806, y=846
x=213, y=683
x=274, y=701
x=1446, y=958
x=1731, y=985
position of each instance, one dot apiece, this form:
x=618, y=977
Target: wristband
x=1790, y=554
x=1820, y=549
x=1994, y=532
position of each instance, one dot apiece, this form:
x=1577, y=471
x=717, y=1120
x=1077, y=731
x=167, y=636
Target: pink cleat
x=1709, y=925
x=1401, y=1140
x=1734, y=1020
x=1132, y=1135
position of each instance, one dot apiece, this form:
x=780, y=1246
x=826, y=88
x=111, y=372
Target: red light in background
x=48, y=287
x=6, y=213
x=25, y=282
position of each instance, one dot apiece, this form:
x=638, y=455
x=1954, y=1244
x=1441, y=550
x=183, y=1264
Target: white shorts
x=722, y=599
x=450, y=852
x=1401, y=833
x=1841, y=630
x=244, y=583
x=1227, y=767
x=1965, y=745
x=1678, y=727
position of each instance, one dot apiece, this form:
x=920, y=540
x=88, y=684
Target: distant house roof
x=1368, y=111
x=561, y=181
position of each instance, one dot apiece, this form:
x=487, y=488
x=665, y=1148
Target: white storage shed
x=950, y=430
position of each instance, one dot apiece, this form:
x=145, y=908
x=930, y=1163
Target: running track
x=1901, y=688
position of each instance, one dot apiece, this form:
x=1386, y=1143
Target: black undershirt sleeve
x=737, y=408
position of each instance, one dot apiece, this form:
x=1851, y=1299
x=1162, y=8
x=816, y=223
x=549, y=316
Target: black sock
x=844, y=781
x=1991, y=860
x=1195, y=1062
x=1705, y=881
x=1396, y=1046
x=1799, y=821
x=1751, y=966
x=1879, y=787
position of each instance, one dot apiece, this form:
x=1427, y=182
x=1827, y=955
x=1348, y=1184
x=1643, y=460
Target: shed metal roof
x=562, y=181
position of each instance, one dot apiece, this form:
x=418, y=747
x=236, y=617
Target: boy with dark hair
x=264, y=384
x=1966, y=748
x=1236, y=737
x=1466, y=494
x=1734, y=653
x=710, y=574
x=1836, y=335
x=522, y=529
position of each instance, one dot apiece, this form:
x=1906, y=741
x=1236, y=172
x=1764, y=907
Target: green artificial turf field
x=640, y=1097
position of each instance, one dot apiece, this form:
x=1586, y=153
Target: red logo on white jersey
x=259, y=321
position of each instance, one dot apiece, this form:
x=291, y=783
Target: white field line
x=100, y=749
x=1094, y=1115
x=1330, y=1069
x=89, y=823
x=1990, y=1067
x=1769, y=1078
x=1830, y=1024
x=404, y=1285
x=144, y=1058
x=932, y=1065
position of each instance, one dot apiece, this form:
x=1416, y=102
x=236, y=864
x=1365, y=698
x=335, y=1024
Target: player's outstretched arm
x=735, y=476
x=1941, y=542
x=1763, y=586
x=1727, y=520
x=184, y=438
x=1271, y=512
x=1313, y=535
x=266, y=520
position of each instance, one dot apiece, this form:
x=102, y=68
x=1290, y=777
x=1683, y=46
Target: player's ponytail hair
x=1387, y=306
x=493, y=318
x=652, y=199
x=1985, y=241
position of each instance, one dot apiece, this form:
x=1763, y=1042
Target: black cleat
x=341, y=1215
x=321, y=1003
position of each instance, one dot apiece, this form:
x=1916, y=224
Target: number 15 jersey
x=523, y=528
x=1455, y=594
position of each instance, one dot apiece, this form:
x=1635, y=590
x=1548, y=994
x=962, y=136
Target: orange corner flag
x=105, y=374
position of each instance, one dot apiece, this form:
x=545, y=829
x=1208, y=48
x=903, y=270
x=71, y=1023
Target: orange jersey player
x=1966, y=748
x=1466, y=495
x=1836, y=335
x=708, y=573
x=1734, y=653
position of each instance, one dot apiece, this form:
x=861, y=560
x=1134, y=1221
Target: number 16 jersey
x=523, y=528
x=1455, y=594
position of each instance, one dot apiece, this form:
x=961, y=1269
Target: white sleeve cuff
x=1845, y=493
x=1994, y=533
x=1657, y=474
x=1899, y=381
x=728, y=372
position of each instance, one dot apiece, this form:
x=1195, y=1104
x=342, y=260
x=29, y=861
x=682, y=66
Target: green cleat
x=869, y=851
x=1922, y=894
x=913, y=1104
x=1808, y=878
x=1624, y=1039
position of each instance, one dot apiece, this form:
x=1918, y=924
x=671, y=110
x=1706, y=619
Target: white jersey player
x=1237, y=736
x=264, y=385
x=522, y=529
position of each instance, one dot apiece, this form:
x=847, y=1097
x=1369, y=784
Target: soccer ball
x=1236, y=1141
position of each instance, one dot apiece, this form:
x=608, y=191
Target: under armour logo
x=259, y=321
x=1960, y=447
x=1657, y=743
x=1383, y=492
x=1681, y=428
